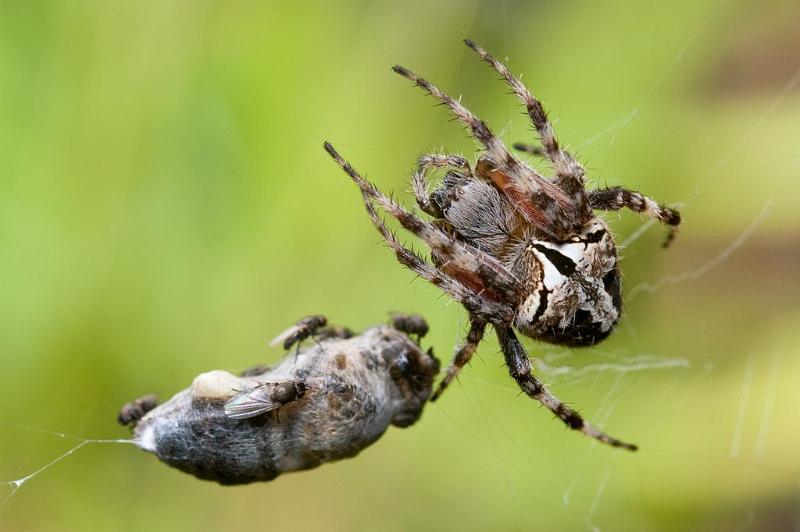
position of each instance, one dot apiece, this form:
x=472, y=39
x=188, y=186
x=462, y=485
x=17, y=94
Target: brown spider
x=517, y=249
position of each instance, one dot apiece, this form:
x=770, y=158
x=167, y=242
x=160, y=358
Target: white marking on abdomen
x=528, y=309
x=552, y=277
x=574, y=251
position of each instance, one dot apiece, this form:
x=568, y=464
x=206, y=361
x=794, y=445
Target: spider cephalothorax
x=517, y=249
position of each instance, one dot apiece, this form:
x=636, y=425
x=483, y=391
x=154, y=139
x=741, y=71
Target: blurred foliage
x=166, y=207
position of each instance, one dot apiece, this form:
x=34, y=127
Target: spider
x=515, y=248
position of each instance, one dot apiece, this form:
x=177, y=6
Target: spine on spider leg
x=519, y=367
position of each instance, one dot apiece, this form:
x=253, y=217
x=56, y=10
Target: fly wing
x=250, y=403
x=285, y=335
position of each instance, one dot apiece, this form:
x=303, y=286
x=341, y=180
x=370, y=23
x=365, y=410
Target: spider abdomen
x=575, y=294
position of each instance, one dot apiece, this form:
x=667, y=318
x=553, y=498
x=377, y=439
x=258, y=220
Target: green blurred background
x=166, y=208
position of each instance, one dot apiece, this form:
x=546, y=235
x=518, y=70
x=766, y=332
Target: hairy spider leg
x=569, y=172
x=430, y=162
x=530, y=149
x=478, y=127
x=471, y=266
x=615, y=198
x=474, y=302
x=530, y=193
x=463, y=355
x=438, y=160
x=519, y=366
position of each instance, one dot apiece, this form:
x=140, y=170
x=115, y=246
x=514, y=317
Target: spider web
x=16, y=484
x=615, y=375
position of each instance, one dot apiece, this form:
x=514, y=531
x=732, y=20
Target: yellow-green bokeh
x=166, y=207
